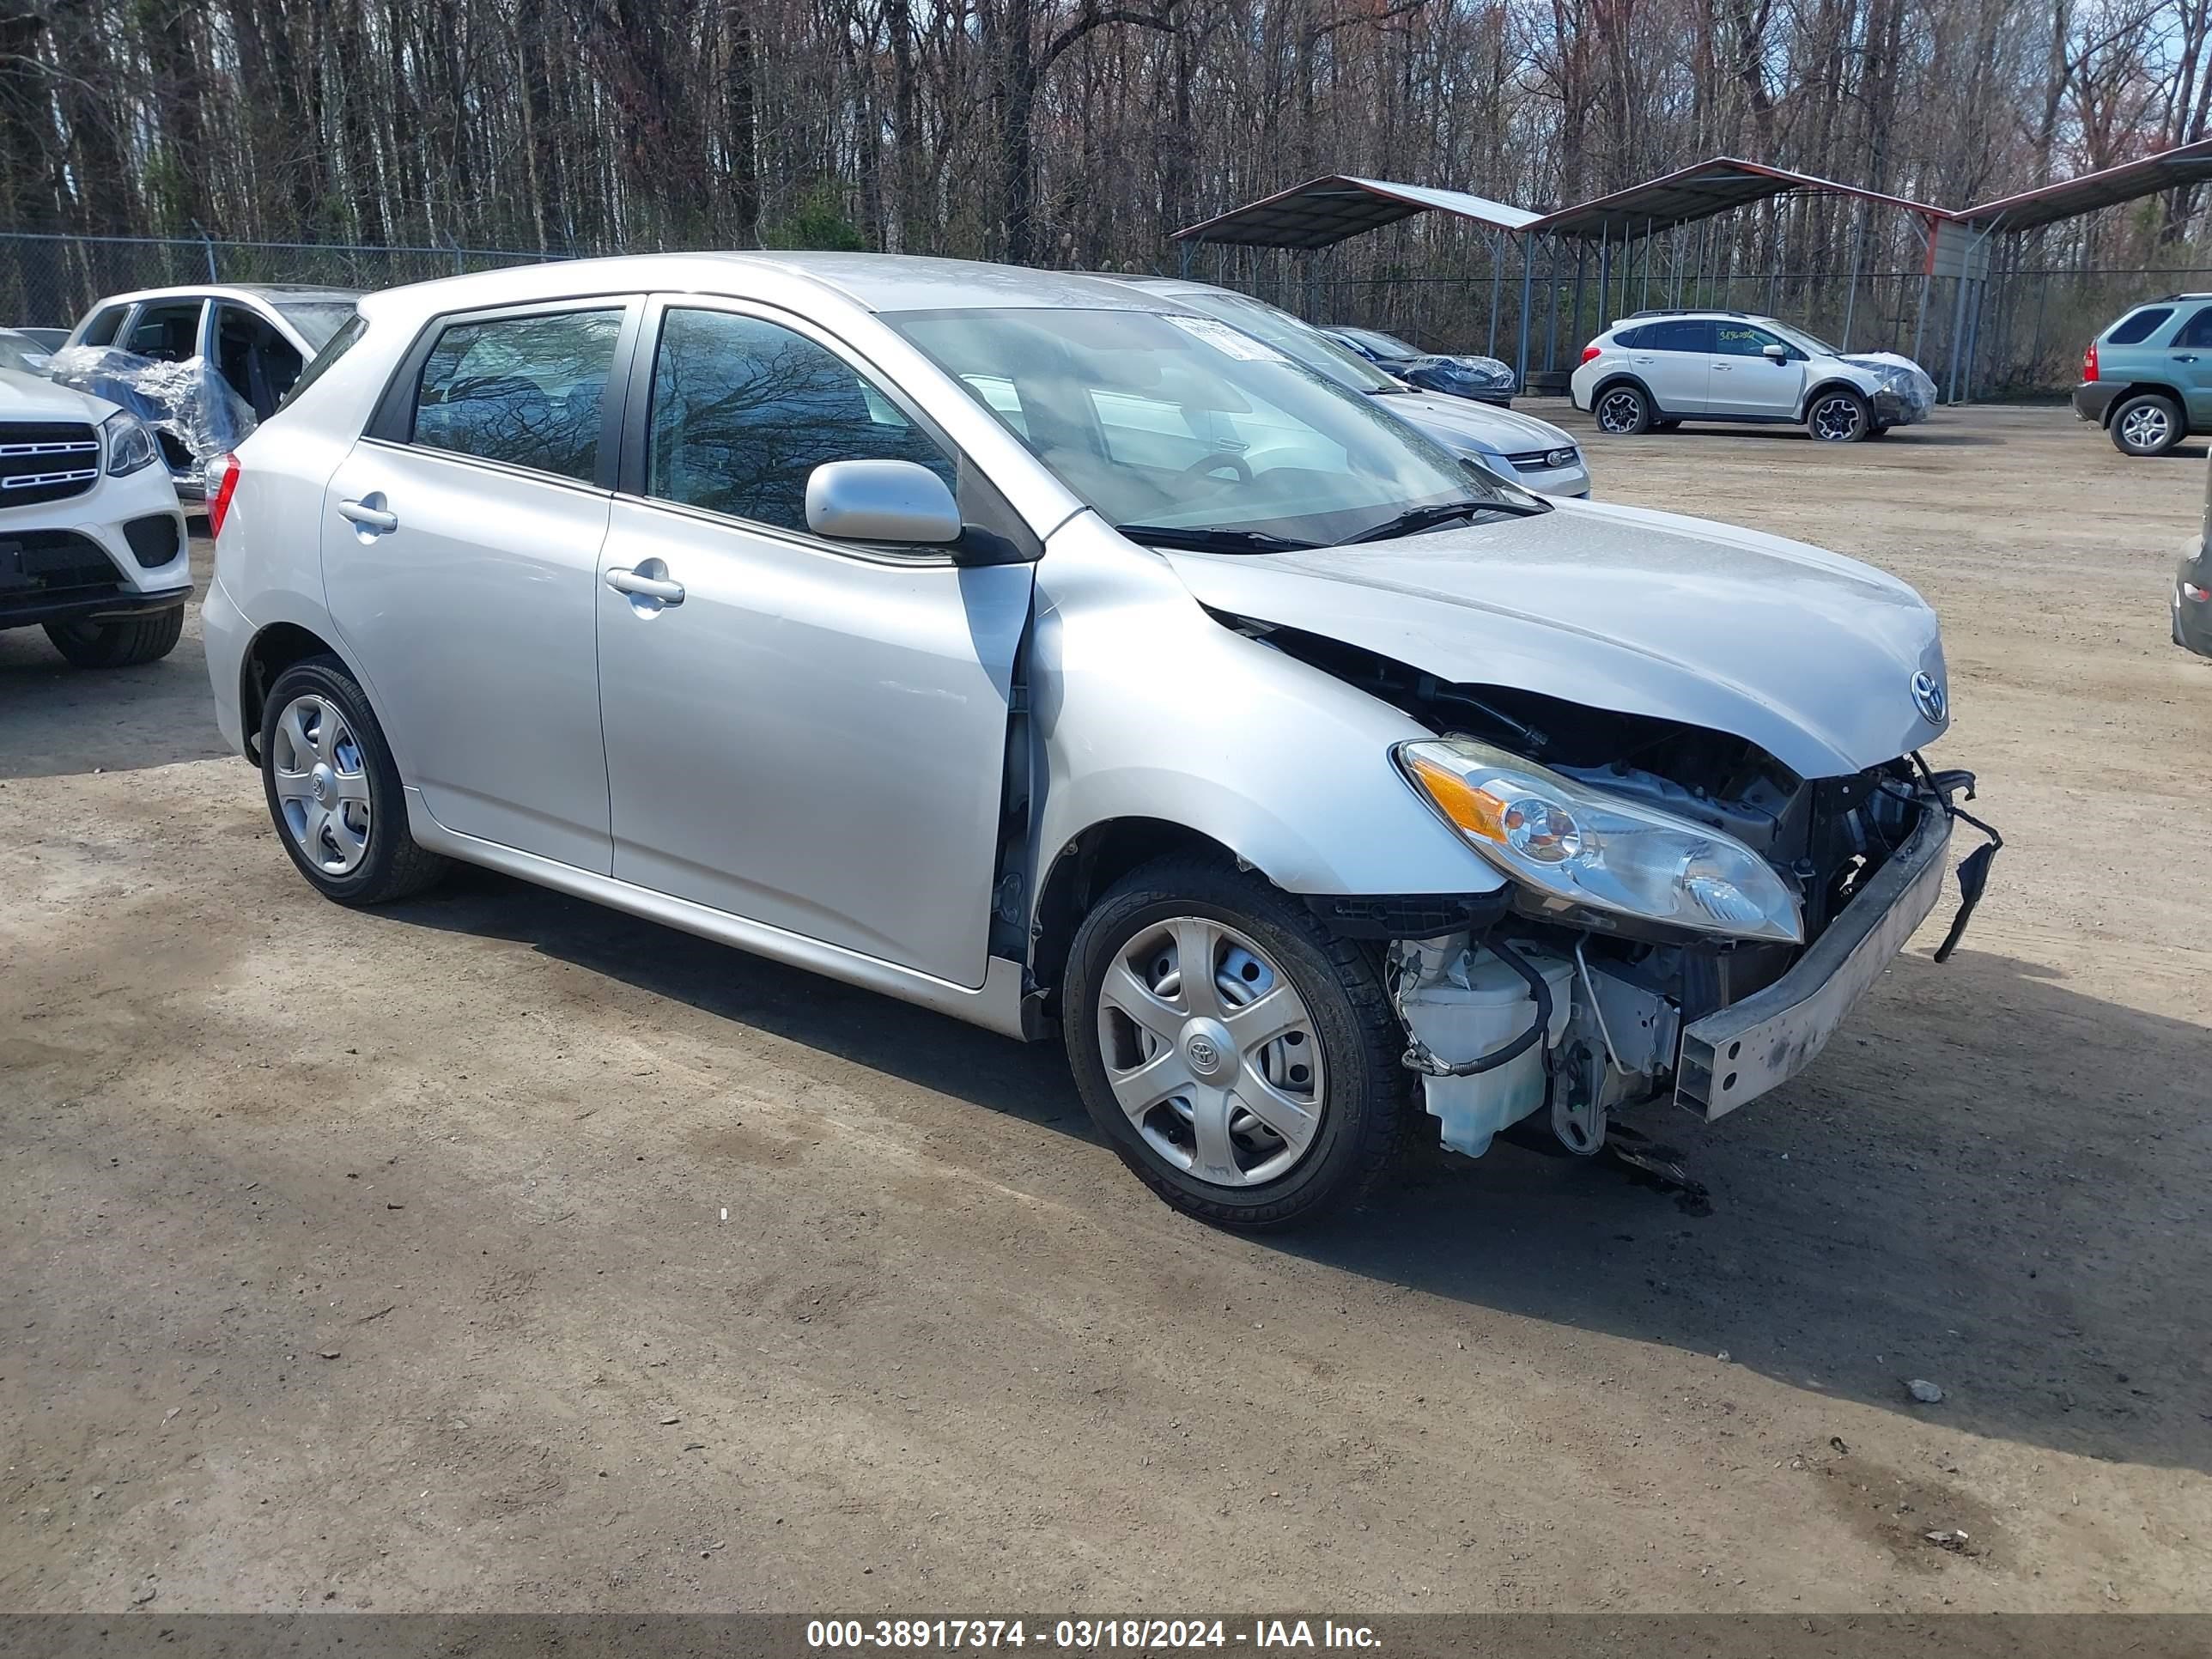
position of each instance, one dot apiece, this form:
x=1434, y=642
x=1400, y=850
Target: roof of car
x=876, y=281
x=273, y=293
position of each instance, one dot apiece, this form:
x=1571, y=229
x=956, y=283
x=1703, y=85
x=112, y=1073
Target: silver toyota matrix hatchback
x=1039, y=650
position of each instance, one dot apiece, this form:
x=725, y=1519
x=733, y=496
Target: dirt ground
x=497, y=1252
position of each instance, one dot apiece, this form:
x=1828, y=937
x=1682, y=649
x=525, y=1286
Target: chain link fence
x=51, y=281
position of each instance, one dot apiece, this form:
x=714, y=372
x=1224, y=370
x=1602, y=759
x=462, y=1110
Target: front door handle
x=368, y=515
x=2180, y=357
x=646, y=587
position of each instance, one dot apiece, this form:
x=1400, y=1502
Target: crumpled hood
x=1501, y=429
x=1887, y=359
x=1806, y=653
x=28, y=398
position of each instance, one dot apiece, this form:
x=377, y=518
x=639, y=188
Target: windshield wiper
x=1414, y=520
x=1202, y=540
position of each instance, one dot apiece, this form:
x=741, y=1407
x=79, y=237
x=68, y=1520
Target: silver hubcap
x=2145, y=427
x=1210, y=1052
x=1619, y=411
x=1837, y=420
x=321, y=788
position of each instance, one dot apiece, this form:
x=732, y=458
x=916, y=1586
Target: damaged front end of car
x=1682, y=914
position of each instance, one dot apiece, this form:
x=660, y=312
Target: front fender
x=1146, y=706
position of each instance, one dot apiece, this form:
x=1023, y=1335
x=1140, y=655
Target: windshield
x=1301, y=342
x=316, y=319
x=1184, y=424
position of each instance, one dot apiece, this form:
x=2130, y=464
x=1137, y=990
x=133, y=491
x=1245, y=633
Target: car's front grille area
x=1540, y=460
x=40, y=566
x=47, y=461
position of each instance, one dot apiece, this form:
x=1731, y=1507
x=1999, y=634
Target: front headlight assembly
x=1565, y=840
x=131, y=445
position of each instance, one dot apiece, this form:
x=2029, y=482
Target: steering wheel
x=1207, y=464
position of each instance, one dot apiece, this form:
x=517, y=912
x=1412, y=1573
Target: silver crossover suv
x=1041, y=651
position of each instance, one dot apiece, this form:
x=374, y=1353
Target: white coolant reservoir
x=1466, y=1005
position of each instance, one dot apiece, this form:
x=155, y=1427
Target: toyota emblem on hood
x=1928, y=697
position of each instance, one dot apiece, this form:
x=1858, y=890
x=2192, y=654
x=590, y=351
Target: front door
x=1746, y=380
x=1675, y=358
x=805, y=733
x=460, y=555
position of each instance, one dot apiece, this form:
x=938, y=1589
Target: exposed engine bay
x=1544, y=1006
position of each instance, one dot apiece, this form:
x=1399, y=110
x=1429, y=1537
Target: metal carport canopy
x=2184, y=164
x=1699, y=192
x=1322, y=212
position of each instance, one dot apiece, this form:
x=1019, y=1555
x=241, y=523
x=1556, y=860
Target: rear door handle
x=368, y=516
x=646, y=587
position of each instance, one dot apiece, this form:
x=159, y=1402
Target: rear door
x=1746, y=380
x=461, y=542
x=813, y=734
x=2190, y=358
x=1673, y=358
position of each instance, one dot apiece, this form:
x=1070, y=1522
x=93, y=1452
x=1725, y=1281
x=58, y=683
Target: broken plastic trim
x=1974, y=868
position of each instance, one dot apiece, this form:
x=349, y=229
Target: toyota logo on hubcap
x=1928, y=697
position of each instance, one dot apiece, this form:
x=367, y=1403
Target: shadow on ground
x=1925, y=1203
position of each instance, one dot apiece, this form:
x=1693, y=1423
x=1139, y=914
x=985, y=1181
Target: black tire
x=2149, y=423
x=393, y=866
x=1622, y=409
x=119, y=641
x=1366, y=1102
x=1837, y=415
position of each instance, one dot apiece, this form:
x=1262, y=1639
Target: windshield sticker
x=1227, y=340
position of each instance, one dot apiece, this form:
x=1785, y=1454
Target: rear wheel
x=2146, y=424
x=119, y=641
x=1242, y=1061
x=1623, y=411
x=334, y=790
x=1838, y=416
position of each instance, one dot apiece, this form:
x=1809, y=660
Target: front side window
x=1741, y=340
x=1183, y=424
x=103, y=328
x=2133, y=330
x=527, y=390
x=168, y=331
x=744, y=410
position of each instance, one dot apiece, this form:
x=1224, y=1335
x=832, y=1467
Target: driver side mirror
x=1775, y=353
x=899, y=503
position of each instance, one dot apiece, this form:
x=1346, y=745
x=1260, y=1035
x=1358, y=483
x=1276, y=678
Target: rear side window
x=103, y=328
x=336, y=346
x=260, y=364
x=2133, y=330
x=744, y=410
x=1629, y=339
x=2197, y=330
x=527, y=390
x=1683, y=334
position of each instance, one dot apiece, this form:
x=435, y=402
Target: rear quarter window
x=2135, y=329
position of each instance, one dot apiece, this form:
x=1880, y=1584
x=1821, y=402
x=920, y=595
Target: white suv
x=92, y=541
x=1658, y=368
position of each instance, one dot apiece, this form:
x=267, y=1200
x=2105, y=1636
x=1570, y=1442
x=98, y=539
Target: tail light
x=226, y=472
x=2090, y=362
x=1592, y=351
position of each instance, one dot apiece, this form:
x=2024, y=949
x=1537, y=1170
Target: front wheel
x=1623, y=411
x=2146, y=424
x=334, y=789
x=119, y=641
x=1241, y=1060
x=1838, y=416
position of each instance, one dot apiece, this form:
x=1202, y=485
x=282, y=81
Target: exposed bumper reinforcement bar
x=1741, y=1052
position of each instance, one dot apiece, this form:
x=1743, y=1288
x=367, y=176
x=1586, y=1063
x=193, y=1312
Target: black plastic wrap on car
x=189, y=404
